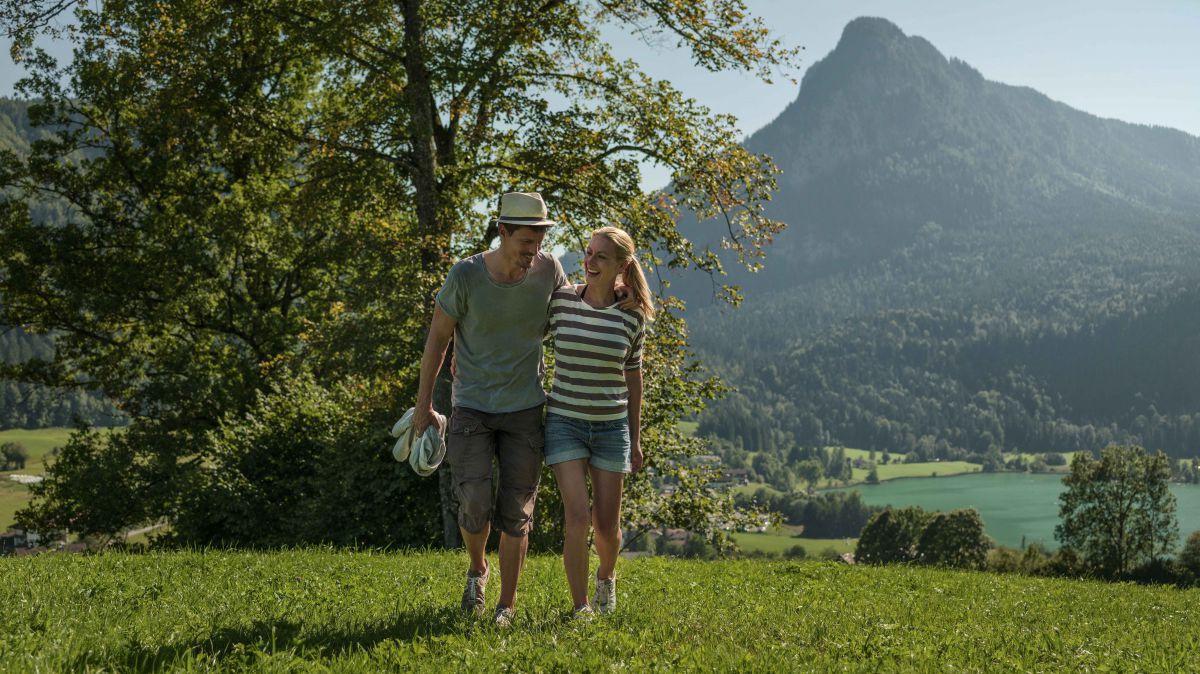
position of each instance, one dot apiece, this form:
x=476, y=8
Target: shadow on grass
x=311, y=641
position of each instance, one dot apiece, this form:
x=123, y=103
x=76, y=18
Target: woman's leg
x=572, y=487
x=606, y=518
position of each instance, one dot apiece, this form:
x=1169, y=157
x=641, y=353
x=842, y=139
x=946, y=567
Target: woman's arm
x=633, y=381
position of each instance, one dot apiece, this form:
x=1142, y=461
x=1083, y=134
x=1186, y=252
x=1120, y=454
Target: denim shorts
x=604, y=443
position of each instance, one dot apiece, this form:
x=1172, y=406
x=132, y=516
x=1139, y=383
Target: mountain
x=969, y=266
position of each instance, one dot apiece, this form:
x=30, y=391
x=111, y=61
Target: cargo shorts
x=513, y=439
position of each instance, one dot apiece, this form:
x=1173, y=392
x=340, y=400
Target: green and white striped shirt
x=593, y=348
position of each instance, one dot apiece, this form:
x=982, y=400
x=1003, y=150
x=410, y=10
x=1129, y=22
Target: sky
x=1134, y=61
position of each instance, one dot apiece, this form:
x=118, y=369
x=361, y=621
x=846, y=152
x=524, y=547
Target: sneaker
x=472, y=599
x=606, y=596
x=583, y=614
x=504, y=616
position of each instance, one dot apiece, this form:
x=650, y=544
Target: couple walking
x=498, y=306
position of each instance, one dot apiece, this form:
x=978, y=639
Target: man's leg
x=476, y=548
x=519, y=442
x=470, y=448
x=512, y=558
x=572, y=487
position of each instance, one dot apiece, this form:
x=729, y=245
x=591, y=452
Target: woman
x=594, y=407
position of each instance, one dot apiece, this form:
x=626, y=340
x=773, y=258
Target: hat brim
x=528, y=222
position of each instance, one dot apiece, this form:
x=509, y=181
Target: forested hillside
x=970, y=267
x=24, y=406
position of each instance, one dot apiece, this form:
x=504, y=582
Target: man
x=494, y=305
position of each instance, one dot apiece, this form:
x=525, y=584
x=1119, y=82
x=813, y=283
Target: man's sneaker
x=606, y=596
x=583, y=614
x=504, y=616
x=472, y=599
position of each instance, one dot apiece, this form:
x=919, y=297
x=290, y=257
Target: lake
x=1014, y=506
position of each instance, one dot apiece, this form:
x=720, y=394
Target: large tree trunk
x=418, y=98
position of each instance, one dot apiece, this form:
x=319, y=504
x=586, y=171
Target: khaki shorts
x=515, y=440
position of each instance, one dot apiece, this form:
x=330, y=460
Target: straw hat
x=523, y=208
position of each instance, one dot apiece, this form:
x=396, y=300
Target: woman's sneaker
x=504, y=616
x=605, y=600
x=472, y=599
x=583, y=614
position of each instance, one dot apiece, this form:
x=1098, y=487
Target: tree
x=1117, y=511
x=15, y=455
x=263, y=191
x=954, y=539
x=891, y=536
x=810, y=471
x=873, y=476
x=1189, y=557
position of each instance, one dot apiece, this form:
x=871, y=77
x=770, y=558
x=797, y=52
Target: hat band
x=521, y=218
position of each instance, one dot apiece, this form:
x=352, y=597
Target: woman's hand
x=636, y=457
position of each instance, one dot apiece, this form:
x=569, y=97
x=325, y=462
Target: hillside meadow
x=323, y=610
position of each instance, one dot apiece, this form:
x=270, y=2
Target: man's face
x=522, y=246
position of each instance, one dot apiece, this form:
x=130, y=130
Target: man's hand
x=422, y=419
x=636, y=458
x=625, y=296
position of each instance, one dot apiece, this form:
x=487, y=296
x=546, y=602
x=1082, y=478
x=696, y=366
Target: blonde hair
x=634, y=279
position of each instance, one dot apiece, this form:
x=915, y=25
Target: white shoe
x=606, y=596
x=583, y=614
x=504, y=616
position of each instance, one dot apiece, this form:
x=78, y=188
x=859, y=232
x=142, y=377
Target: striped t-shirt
x=593, y=348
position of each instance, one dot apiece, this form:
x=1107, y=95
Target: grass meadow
x=780, y=541
x=40, y=442
x=322, y=610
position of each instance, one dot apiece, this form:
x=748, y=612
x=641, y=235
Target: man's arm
x=633, y=381
x=440, y=332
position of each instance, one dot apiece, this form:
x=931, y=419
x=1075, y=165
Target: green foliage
x=954, y=539
x=891, y=536
x=1117, y=511
x=97, y=488
x=306, y=464
x=14, y=454
x=258, y=192
x=833, y=514
x=341, y=611
x=1189, y=556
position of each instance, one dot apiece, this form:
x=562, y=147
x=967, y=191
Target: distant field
x=322, y=610
x=40, y=442
x=688, y=427
x=780, y=542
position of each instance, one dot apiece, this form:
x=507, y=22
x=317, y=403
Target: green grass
x=354, y=612
x=688, y=427
x=40, y=442
x=778, y=542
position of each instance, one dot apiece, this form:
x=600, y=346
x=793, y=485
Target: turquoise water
x=1014, y=506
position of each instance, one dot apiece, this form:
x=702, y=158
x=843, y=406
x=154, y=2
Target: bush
x=891, y=536
x=306, y=465
x=796, y=552
x=1189, y=557
x=14, y=455
x=954, y=539
x=1054, y=459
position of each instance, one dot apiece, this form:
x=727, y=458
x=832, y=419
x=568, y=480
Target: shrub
x=954, y=539
x=891, y=536
x=796, y=552
x=1189, y=557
